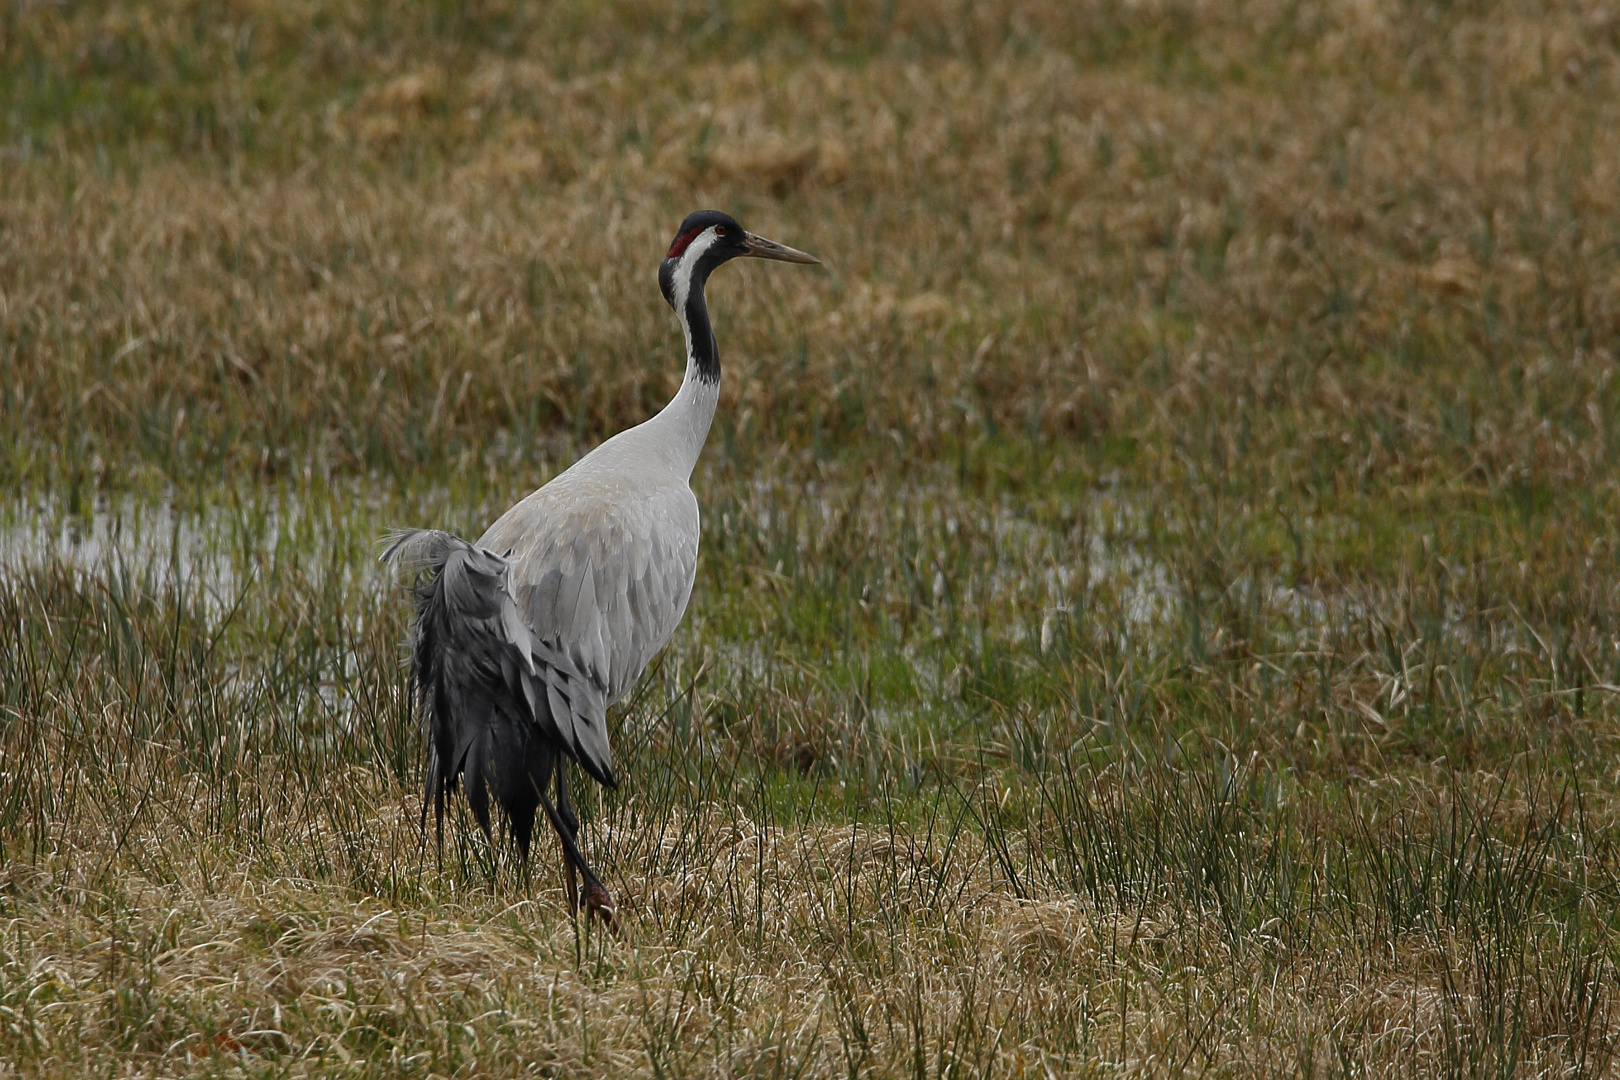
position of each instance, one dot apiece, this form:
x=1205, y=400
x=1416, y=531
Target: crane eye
x=719, y=230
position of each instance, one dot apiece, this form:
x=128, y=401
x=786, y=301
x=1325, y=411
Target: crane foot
x=599, y=902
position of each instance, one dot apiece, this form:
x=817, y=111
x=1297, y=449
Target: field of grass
x=1158, y=613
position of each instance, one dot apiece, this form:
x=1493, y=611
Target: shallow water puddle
x=211, y=555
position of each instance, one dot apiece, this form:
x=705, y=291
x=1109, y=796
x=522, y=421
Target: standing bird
x=524, y=640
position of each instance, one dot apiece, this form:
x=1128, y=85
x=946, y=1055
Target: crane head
x=707, y=239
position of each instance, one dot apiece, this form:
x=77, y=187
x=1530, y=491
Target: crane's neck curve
x=685, y=421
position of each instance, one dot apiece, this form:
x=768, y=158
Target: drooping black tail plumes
x=468, y=679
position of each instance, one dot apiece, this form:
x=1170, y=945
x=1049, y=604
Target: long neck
x=687, y=417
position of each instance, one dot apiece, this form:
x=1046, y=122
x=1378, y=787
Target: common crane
x=524, y=640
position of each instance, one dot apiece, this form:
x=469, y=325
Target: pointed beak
x=761, y=248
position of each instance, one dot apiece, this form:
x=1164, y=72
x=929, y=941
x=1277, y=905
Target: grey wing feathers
x=608, y=587
x=487, y=687
x=575, y=711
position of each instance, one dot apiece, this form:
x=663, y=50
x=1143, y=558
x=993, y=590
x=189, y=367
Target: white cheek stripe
x=689, y=260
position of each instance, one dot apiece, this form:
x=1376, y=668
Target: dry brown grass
x=1158, y=611
x=797, y=951
x=1272, y=206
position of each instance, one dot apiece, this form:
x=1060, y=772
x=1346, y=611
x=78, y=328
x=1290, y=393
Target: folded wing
x=604, y=583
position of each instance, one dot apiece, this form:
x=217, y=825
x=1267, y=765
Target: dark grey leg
x=598, y=901
x=565, y=811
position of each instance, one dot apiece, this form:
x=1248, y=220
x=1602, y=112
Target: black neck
x=694, y=316
x=705, y=352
